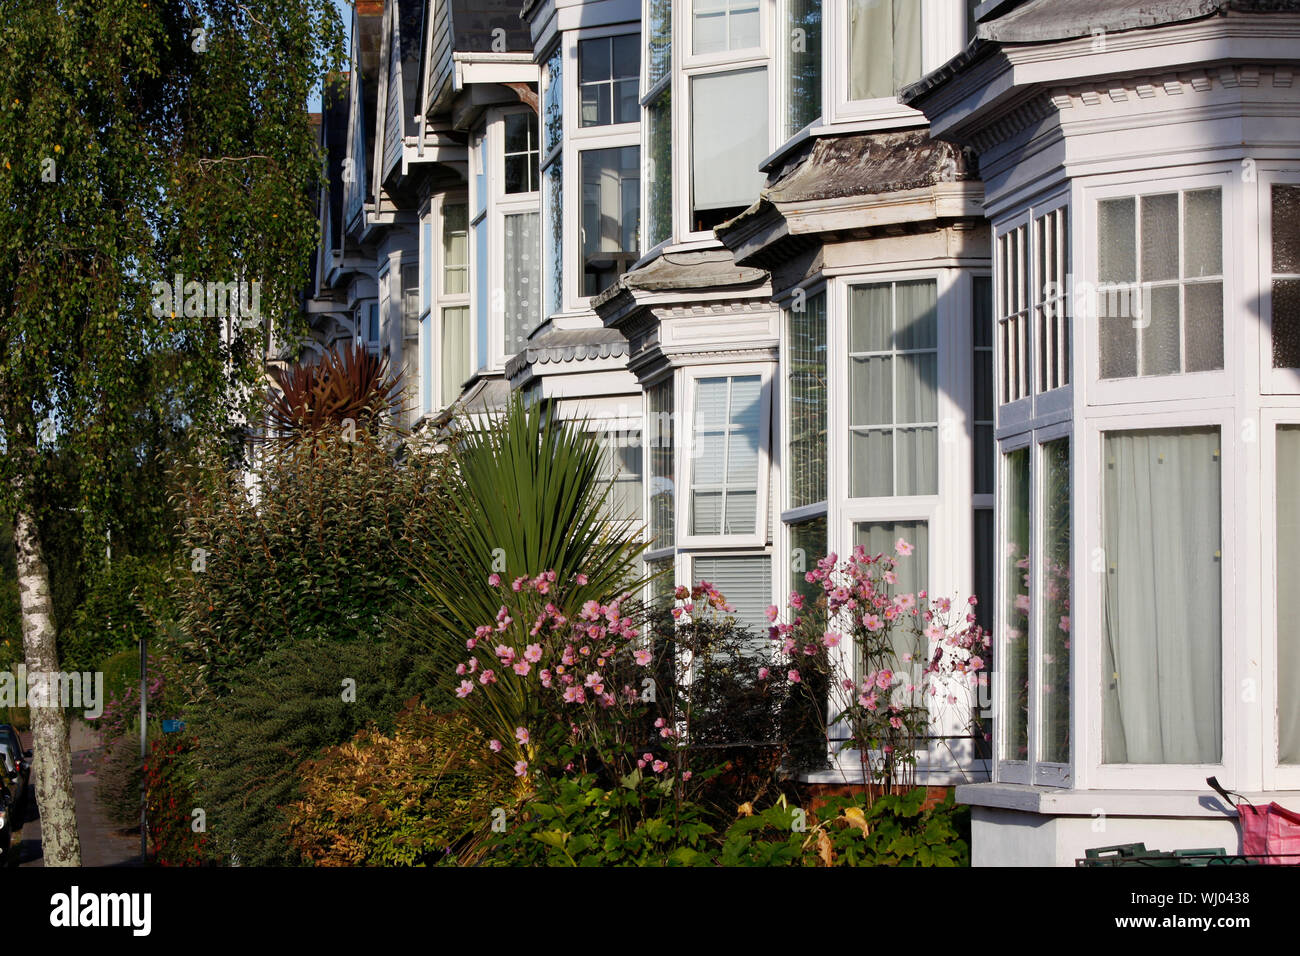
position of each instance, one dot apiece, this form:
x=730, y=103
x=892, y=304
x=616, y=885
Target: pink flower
x=495, y=745
x=902, y=547
x=521, y=768
x=686, y=776
x=896, y=723
x=487, y=677
x=494, y=580
x=659, y=766
x=872, y=622
x=533, y=653
x=521, y=735
x=460, y=669
x=831, y=639
x=642, y=657
x=647, y=757
x=506, y=653
x=762, y=673
x=794, y=676
x=464, y=688
x=522, y=668
x=884, y=679
x=659, y=721
x=580, y=580
x=574, y=695
x=771, y=612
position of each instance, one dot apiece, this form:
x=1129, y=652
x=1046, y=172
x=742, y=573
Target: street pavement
x=102, y=843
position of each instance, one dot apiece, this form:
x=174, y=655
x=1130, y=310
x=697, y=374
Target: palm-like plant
x=349, y=384
x=527, y=496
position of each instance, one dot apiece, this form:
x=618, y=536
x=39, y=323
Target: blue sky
x=345, y=11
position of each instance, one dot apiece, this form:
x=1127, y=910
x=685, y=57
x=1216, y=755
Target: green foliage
x=897, y=830
x=327, y=552
x=122, y=675
x=776, y=836
x=280, y=712
x=129, y=600
x=581, y=824
x=526, y=496
x=420, y=796
x=171, y=787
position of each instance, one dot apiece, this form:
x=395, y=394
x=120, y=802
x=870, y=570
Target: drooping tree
x=157, y=175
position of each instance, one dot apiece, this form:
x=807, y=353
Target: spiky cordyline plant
x=527, y=497
x=348, y=384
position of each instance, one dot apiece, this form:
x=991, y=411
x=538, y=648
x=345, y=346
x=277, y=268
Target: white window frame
x=1184, y=385
x=650, y=92
x=1009, y=770
x=441, y=300
x=789, y=515
x=479, y=209
x=674, y=382
x=577, y=139
x=1087, y=679
x=1034, y=407
x=1275, y=381
x=500, y=205
x=1276, y=775
x=943, y=35
x=722, y=542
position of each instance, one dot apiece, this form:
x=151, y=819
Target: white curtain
x=523, y=302
x=728, y=138
x=884, y=45
x=455, y=352
x=1163, y=617
x=1288, y=594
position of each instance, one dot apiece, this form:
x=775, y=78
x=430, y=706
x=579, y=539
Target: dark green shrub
x=280, y=712
x=326, y=552
x=128, y=599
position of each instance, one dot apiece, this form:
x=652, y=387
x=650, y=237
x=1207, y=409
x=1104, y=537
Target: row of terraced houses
x=1018, y=281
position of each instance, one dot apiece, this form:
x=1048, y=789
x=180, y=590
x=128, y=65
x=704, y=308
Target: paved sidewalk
x=102, y=843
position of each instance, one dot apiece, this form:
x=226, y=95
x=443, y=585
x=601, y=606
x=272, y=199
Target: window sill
x=1052, y=801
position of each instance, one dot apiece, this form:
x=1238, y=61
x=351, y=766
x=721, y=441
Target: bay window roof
x=1038, y=21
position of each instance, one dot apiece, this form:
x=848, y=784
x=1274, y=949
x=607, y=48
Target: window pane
x=1288, y=593
x=726, y=458
x=916, y=465
x=426, y=274
x=1203, y=234
x=455, y=249
x=1161, y=352
x=1204, y=301
x=870, y=318
x=1116, y=241
x=481, y=304
x=916, y=323
x=913, y=575
x=869, y=382
x=659, y=37
x=1163, y=619
x=709, y=26
x=523, y=279
x=659, y=441
x=426, y=365
x=455, y=352
x=553, y=107
x=746, y=583
x=1054, y=628
x=807, y=397
x=871, y=463
x=553, y=210
x=808, y=545
x=728, y=138
x=659, y=169
x=884, y=46
x=1014, y=670
x=982, y=336
x=803, y=79
x=1286, y=262
x=1159, y=237
x=521, y=152
x=611, y=190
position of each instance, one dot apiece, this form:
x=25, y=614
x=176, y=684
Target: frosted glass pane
x=871, y=464
x=1204, y=327
x=1286, y=323
x=917, y=318
x=1116, y=241
x=917, y=453
x=1161, y=352
x=871, y=385
x=870, y=310
x=1202, y=234
x=1159, y=237
x=523, y=288
x=1286, y=229
x=917, y=380
x=1118, y=343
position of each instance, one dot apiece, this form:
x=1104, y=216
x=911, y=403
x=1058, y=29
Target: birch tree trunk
x=52, y=756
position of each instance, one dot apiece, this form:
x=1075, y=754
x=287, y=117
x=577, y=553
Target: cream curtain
x=1162, y=676
x=1288, y=594
x=884, y=47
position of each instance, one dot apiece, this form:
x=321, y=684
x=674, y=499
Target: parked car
x=23, y=758
x=7, y=822
x=13, y=777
